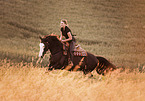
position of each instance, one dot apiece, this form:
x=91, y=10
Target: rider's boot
x=70, y=62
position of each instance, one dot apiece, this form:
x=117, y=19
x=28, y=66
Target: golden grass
x=25, y=82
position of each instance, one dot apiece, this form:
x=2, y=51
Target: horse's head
x=44, y=46
x=50, y=42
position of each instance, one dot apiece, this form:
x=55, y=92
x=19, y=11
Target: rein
x=56, y=53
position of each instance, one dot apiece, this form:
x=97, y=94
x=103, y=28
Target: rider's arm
x=69, y=39
x=61, y=36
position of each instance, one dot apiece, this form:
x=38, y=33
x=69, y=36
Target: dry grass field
x=114, y=29
x=19, y=82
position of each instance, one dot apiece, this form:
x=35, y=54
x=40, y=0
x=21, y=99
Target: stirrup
x=70, y=63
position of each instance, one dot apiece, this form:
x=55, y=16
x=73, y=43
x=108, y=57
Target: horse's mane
x=57, y=36
x=53, y=43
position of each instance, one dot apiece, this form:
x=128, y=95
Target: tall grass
x=27, y=82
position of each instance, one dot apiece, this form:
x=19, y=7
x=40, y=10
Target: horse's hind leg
x=88, y=73
x=68, y=67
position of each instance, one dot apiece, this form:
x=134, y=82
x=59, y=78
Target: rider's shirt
x=64, y=33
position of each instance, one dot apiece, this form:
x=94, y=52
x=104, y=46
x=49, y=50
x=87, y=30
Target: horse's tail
x=104, y=65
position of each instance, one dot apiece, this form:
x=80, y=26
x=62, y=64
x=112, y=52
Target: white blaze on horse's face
x=41, y=49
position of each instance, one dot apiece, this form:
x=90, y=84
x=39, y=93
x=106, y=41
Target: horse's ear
x=40, y=37
x=51, y=34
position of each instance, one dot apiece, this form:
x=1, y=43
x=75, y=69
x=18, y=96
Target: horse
x=58, y=60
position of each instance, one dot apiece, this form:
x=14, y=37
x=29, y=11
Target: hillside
x=113, y=29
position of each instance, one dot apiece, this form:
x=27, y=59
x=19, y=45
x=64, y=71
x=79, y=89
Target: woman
x=66, y=32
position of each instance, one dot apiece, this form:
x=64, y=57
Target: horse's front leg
x=50, y=67
x=57, y=66
x=88, y=73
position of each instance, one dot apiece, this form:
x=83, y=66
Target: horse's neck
x=56, y=47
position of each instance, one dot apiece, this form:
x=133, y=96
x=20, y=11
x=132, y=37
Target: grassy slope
x=110, y=28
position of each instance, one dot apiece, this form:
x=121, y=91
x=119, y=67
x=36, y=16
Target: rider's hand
x=63, y=41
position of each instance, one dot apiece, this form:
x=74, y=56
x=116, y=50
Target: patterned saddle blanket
x=78, y=50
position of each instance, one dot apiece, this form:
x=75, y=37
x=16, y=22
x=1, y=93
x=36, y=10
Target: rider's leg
x=71, y=48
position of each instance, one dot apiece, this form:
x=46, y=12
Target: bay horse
x=60, y=61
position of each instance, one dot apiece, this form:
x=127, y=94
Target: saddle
x=77, y=51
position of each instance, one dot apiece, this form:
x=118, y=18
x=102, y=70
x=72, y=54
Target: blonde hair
x=65, y=21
